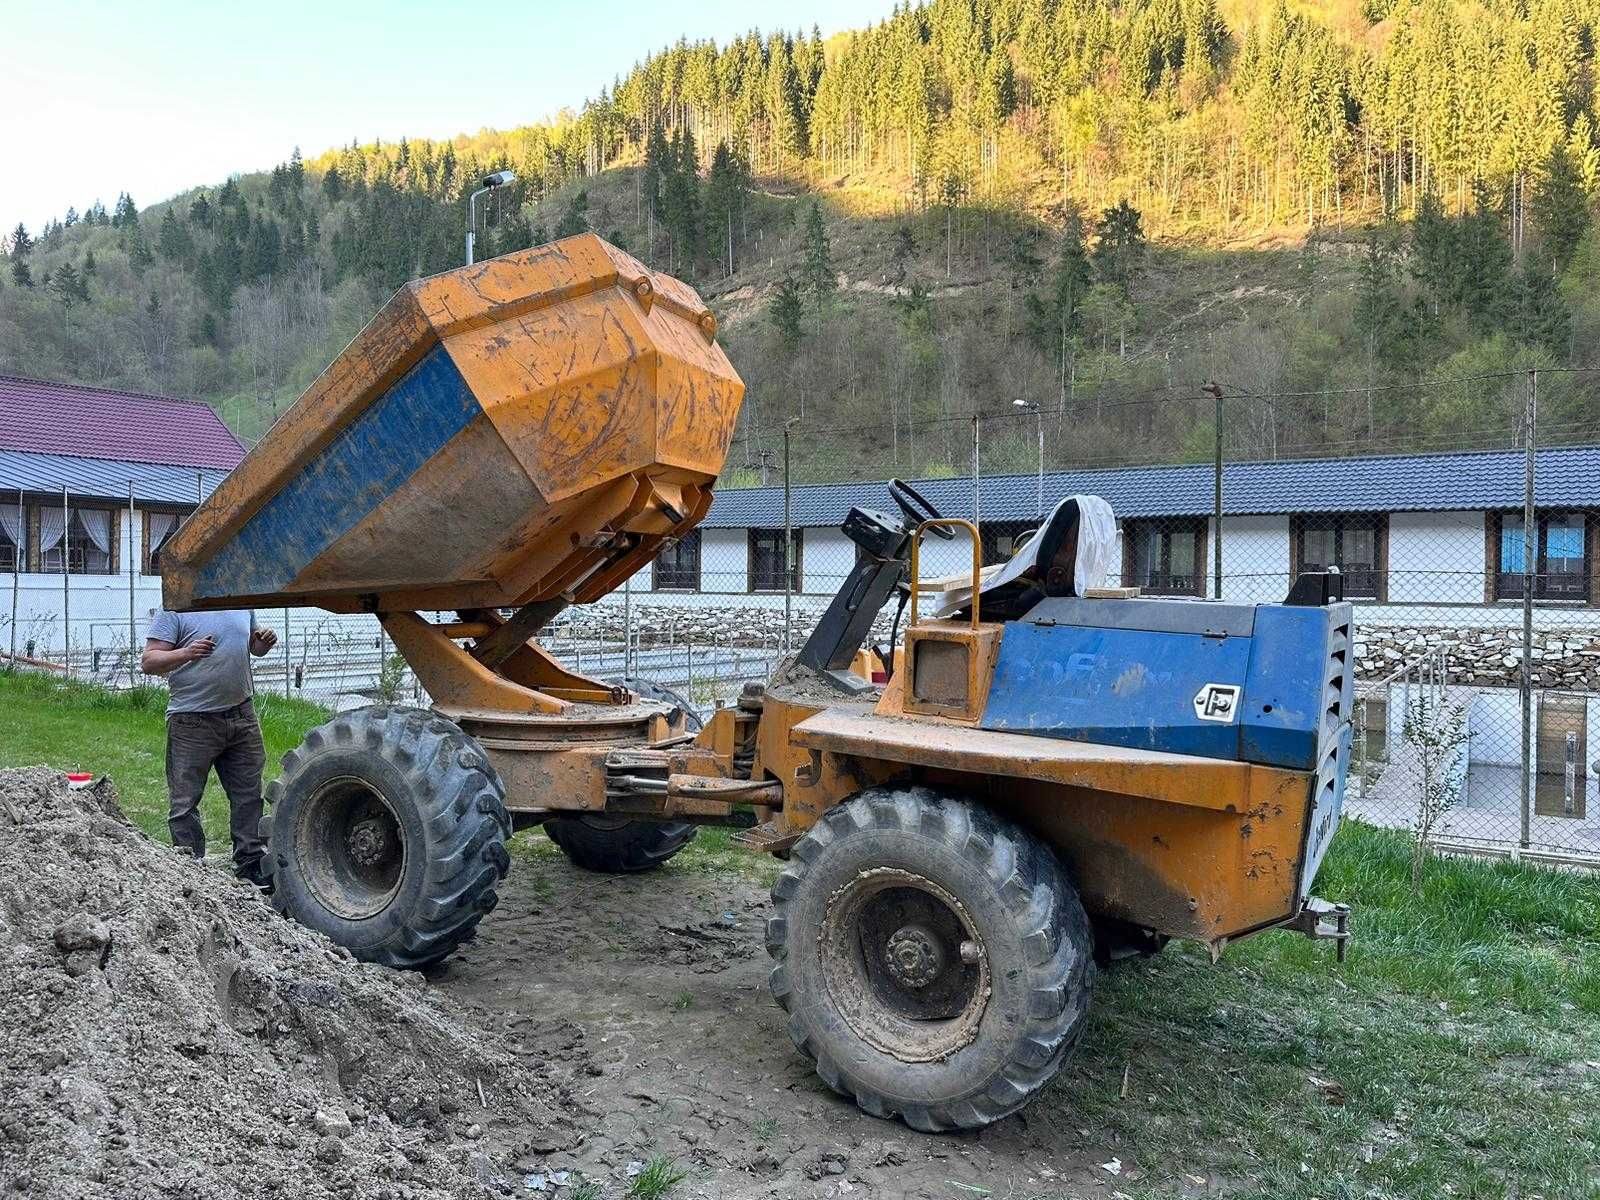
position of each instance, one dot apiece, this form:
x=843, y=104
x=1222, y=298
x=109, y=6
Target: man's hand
x=261, y=641
x=162, y=658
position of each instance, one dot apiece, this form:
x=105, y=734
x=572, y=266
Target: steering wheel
x=916, y=507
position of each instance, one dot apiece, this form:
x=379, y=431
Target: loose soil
x=166, y=1034
x=647, y=994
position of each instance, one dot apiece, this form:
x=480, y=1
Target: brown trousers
x=230, y=741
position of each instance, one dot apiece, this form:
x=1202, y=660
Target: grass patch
x=72, y=725
x=1451, y=1054
x=660, y=1175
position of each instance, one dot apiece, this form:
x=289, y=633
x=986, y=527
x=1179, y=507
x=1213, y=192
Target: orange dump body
x=523, y=429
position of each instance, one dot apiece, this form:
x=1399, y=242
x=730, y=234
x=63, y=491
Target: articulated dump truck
x=1054, y=775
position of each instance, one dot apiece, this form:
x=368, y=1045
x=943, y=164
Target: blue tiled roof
x=1488, y=479
x=104, y=479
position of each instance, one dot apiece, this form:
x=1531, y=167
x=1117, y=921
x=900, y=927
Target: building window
x=1354, y=544
x=1561, y=560
x=86, y=538
x=158, y=529
x=766, y=561
x=12, y=537
x=1166, y=558
x=677, y=566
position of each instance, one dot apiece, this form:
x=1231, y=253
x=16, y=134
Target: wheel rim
x=352, y=849
x=904, y=965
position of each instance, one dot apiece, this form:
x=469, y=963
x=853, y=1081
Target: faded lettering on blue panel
x=1119, y=687
x=365, y=464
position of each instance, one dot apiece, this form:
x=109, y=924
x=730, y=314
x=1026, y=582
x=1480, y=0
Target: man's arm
x=163, y=658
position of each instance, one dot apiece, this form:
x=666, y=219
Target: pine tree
x=575, y=218
x=725, y=187
x=21, y=275
x=173, y=241
x=816, y=274
x=71, y=218
x=1056, y=316
x=200, y=211
x=126, y=215
x=20, y=242
x=90, y=267
x=1119, y=244
x=1542, y=316
x=332, y=184
x=296, y=173
x=657, y=164
x=1560, y=209
x=787, y=312
x=1485, y=256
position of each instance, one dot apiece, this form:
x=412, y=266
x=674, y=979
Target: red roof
x=65, y=418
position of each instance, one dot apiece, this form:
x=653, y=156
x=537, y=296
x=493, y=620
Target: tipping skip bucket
x=526, y=428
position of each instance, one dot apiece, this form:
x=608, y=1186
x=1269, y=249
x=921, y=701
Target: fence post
x=16, y=574
x=788, y=539
x=286, y=664
x=627, y=627
x=1215, y=390
x=66, y=583
x=977, y=469
x=133, y=653
x=1529, y=548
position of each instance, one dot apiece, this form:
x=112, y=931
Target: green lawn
x=1455, y=1054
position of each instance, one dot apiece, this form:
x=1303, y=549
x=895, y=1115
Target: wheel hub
x=371, y=842
x=902, y=960
x=914, y=956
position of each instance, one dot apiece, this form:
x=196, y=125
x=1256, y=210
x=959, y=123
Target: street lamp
x=498, y=179
x=1030, y=406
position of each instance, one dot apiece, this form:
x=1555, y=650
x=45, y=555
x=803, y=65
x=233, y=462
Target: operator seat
x=1071, y=552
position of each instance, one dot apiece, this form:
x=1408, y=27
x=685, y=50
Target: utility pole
x=1038, y=414
x=1214, y=390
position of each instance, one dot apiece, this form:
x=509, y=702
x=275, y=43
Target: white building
x=1435, y=535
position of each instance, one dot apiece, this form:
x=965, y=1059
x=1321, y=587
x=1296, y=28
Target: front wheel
x=387, y=832
x=934, y=959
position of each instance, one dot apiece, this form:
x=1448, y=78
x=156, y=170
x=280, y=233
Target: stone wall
x=1563, y=659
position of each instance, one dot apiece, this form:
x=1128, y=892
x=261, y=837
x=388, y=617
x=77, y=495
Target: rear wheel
x=387, y=833
x=618, y=845
x=621, y=845
x=934, y=959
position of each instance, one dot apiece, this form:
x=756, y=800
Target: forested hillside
x=1090, y=207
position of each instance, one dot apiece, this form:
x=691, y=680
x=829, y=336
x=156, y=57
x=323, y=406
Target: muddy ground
x=647, y=996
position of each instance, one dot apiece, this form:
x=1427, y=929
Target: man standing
x=211, y=722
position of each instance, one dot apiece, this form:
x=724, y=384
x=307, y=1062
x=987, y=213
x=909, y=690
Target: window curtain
x=96, y=524
x=52, y=524
x=161, y=527
x=11, y=523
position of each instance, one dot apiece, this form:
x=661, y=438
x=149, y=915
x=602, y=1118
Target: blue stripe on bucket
x=362, y=467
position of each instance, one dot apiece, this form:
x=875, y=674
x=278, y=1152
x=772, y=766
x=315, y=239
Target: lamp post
x=490, y=182
x=1038, y=413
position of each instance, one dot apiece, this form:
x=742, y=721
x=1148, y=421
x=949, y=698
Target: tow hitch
x=1320, y=919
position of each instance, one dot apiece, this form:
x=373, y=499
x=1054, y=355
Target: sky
x=98, y=98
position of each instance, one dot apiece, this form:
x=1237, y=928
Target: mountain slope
x=989, y=172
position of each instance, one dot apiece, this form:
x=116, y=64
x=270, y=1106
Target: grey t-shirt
x=219, y=681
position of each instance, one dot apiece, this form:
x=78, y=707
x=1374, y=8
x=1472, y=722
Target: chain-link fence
x=1473, y=563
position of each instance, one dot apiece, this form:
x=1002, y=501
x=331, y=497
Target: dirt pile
x=165, y=1033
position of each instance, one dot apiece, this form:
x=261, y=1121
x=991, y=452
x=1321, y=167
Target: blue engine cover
x=1267, y=684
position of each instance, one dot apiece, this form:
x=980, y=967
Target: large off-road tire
x=387, y=832
x=617, y=845
x=933, y=958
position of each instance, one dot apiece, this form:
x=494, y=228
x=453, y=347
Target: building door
x=1562, y=746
